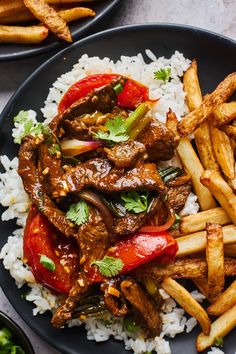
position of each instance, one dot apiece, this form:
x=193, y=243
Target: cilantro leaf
x=78, y=213
x=116, y=131
x=47, y=262
x=162, y=74
x=54, y=149
x=219, y=342
x=135, y=202
x=109, y=266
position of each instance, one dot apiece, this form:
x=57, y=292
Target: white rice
x=13, y=196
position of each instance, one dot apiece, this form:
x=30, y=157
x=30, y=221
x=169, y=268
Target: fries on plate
x=20, y=34
x=224, y=302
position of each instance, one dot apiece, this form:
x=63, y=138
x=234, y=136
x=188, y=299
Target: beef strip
x=143, y=305
x=93, y=240
x=33, y=186
x=102, y=99
x=126, y=154
x=131, y=222
x=116, y=305
x=177, y=196
x=101, y=175
x=159, y=141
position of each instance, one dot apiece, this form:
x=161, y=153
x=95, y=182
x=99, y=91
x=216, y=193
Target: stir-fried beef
x=115, y=303
x=33, y=186
x=101, y=175
x=102, y=99
x=126, y=154
x=177, y=196
x=143, y=305
x=159, y=141
x=132, y=222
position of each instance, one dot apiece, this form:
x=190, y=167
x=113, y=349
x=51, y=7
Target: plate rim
x=104, y=33
x=60, y=44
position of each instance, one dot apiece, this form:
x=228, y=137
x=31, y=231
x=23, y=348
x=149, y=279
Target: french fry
x=193, y=165
x=20, y=34
x=222, y=192
x=19, y=17
x=185, y=300
x=197, y=117
x=223, y=151
x=196, y=242
x=192, y=87
x=45, y=13
x=224, y=113
x=230, y=130
x=224, y=302
x=215, y=260
x=197, y=222
x=76, y=13
x=194, y=268
x=8, y=8
x=230, y=250
x=220, y=328
x=202, y=285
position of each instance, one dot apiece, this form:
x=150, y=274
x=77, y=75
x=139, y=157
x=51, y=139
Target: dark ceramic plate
x=78, y=28
x=216, y=56
x=18, y=336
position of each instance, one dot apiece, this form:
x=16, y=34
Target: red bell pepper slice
x=41, y=238
x=139, y=249
x=132, y=95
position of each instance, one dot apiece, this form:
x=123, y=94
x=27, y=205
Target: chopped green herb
x=116, y=131
x=169, y=173
x=7, y=346
x=163, y=74
x=78, y=213
x=47, y=262
x=219, y=342
x=118, y=88
x=109, y=266
x=177, y=221
x=135, y=201
x=54, y=149
x=130, y=325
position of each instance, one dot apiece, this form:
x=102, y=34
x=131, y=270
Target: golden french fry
x=196, y=242
x=45, y=13
x=197, y=117
x=192, y=87
x=223, y=151
x=20, y=34
x=230, y=250
x=224, y=302
x=224, y=113
x=220, y=328
x=202, y=285
x=222, y=192
x=230, y=130
x=185, y=300
x=197, y=222
x=76, y=13
x=194, y=268
x=193, y=165
x=19, y=17
x=8, y=8
x=215, y=260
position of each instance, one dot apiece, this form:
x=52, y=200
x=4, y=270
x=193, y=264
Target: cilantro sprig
x=109, y=266
x=7, y=345
x=163, y=74
x=78, y=213
x=135, y=201
x=116, y=131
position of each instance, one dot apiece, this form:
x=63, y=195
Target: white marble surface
x=216, y=15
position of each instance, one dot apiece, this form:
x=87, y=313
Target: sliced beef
x=159, y=141
x=132, y=222
x=177, y=196
x=126, y=154
x=100, y=174
x=144, y=306
x=102, y=99
x=115, y=304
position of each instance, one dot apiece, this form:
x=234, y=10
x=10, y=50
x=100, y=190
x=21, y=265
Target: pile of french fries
x=30, y=21
x=207, y=240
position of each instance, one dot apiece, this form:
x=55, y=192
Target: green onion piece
x=118, y=88
x=130, y=325
x=136, y=116
x=141, y=125
x=177, y=221
x=47, y=262
x=169, y=173
x=219, y=342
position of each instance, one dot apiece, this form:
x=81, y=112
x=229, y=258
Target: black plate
x=216, y=56
x=78, y=28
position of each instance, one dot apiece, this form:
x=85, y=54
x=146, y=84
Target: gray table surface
x=216, y=15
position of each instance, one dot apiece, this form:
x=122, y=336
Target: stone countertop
x=217, y=15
